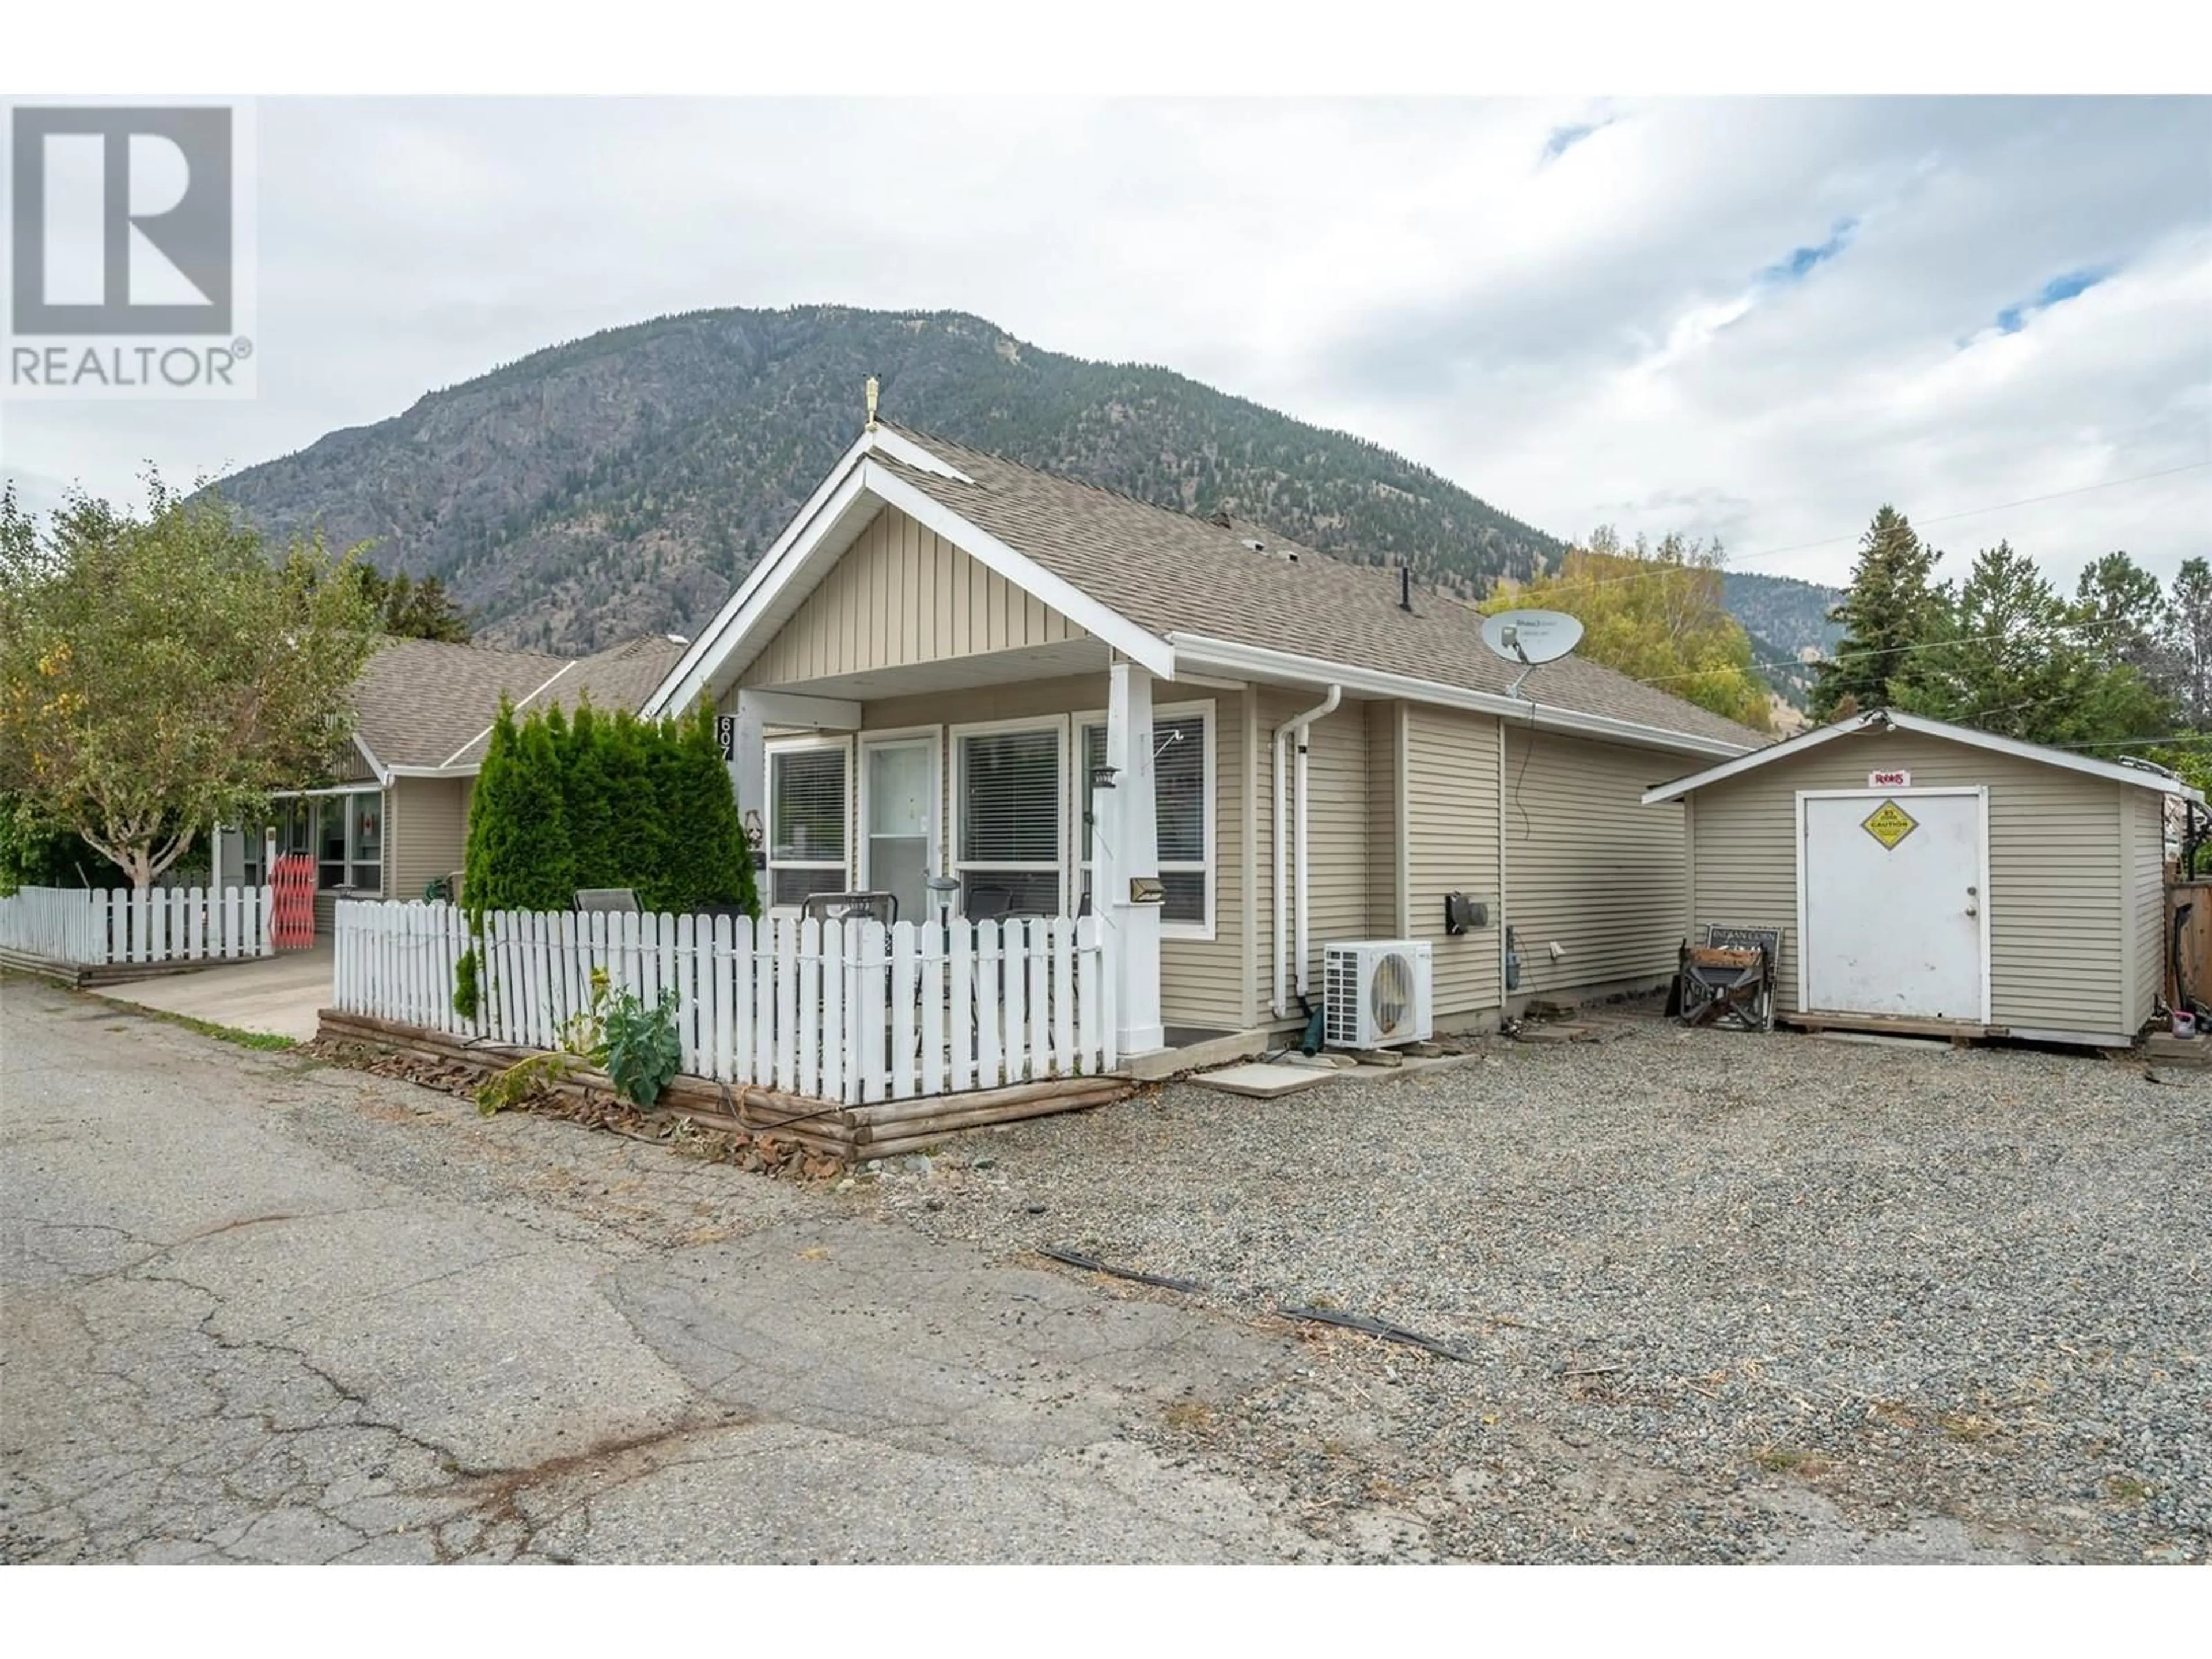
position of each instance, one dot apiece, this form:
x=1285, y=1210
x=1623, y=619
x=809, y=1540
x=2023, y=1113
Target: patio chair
x=613, y=900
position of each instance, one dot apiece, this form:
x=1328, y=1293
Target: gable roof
x=1885, y=720
x=1179, y=576
x=425, y=707
x=1171, y=590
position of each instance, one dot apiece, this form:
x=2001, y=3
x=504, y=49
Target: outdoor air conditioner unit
x=1376, y=993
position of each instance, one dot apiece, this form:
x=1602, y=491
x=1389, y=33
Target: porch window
x=807, y=818
x=1011, y=841
x=1182, y=798
x=347, y=835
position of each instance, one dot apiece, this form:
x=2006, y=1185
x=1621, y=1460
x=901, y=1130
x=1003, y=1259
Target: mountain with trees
x=623, y=484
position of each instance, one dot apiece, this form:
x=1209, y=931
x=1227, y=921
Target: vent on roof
x=1221, y=518
x=1262, y=549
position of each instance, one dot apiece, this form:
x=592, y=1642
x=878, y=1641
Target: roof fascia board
x=1140, y=645
x=698, y=665
x=1940, y=729
x=901, y=447
x=383, y=772
x=1199, y=650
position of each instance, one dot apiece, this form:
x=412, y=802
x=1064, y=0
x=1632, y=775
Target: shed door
x=1893, y=885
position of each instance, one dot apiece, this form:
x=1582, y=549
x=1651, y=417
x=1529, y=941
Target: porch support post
x=749, y=771
x=1129, y=843
x=755, y=711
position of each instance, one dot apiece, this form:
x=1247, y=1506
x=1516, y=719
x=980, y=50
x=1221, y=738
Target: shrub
x=605, y=801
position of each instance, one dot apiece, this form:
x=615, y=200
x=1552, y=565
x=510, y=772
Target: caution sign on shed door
x=1889, y=823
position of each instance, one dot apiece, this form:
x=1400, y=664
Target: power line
x=1736, y=561
x=2142, y=743
x=1886, y=651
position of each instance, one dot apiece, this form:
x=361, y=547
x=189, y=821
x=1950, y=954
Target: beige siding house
x=393, y=819
x=2042, y=917
x=987, y=689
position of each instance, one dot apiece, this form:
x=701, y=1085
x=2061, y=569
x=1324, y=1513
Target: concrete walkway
x=278, y=995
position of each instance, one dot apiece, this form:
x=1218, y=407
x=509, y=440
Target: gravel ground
x=1724, y=1295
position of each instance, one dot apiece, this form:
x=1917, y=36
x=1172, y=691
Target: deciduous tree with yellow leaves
x=1654, y=613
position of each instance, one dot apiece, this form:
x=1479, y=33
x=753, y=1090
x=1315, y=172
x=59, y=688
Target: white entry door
x=898, y=789
x=1893, y=889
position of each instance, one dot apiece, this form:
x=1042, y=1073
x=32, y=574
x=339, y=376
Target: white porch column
x=754, y=712
x=1129, y=849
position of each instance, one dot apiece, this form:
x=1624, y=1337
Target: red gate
x=291, y=901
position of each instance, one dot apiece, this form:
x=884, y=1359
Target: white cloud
x=1593, y=334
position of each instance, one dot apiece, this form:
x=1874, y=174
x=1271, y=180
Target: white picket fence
x=851, y=1012
x=98, y=928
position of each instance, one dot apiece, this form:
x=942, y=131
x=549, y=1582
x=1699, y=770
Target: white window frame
x=769, y=750
x=1210, y=785
x=956, y=737
x=933, y=735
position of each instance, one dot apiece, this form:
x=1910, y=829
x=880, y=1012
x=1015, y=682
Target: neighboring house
x=935, y=665
x=1924, y=871
x=396, y=817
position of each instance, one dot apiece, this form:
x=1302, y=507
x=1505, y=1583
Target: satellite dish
x=1529, y=637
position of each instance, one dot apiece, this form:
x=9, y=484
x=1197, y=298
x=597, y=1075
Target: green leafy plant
x=642, y=1051
x=516, y=1084
x=468, y=993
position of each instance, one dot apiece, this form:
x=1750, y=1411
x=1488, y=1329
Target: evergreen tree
x=585, y=801
x=518, y=856
x=710, y=857
x=1890, y=608
x=2188, y=641
x=636, y=839
x=2011, y=655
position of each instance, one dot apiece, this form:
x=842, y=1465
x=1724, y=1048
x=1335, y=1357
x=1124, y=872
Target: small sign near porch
x=726, y=735
x=1889, y=823
x=1889, y=780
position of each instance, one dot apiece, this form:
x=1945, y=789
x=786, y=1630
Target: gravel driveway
x=1724, y=1295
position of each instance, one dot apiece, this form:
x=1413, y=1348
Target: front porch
x=1004, y=787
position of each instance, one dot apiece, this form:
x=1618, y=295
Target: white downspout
x=1295, y=726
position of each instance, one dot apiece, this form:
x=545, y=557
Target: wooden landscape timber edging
x=849, y=1134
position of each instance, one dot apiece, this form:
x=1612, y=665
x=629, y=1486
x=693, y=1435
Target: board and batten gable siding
x=2058, y=957
x=902, y=594
x=1453, y=846
x=426, y=829
x=1203, y=983
x=1588, y=864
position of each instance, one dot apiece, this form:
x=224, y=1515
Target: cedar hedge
x=605, y=801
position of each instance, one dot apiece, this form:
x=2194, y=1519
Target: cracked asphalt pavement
x=257, y=1307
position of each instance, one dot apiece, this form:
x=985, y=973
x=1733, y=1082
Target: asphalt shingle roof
x=1169, y=572
x=422, y=702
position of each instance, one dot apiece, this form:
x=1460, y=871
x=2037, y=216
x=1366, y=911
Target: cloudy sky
x=1758, y=318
